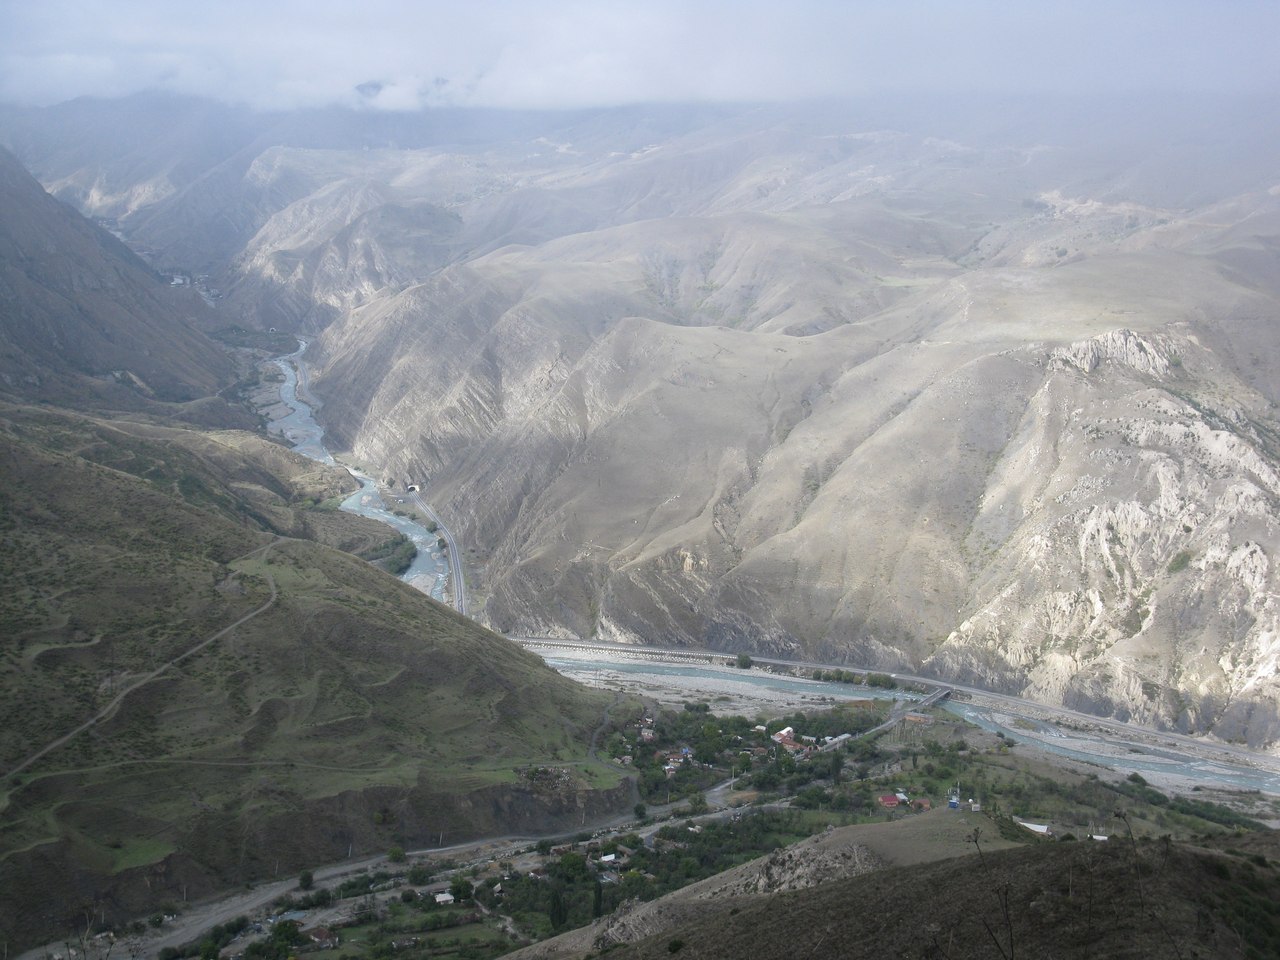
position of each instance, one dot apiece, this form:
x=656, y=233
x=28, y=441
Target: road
x=1000, y=702
x=111, y=707
x=455, y=556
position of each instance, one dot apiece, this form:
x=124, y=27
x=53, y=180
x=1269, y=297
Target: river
x=1165, y=760
x=429, y=571
x=1157, y=757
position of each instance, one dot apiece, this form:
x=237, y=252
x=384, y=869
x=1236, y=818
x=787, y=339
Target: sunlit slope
x=920, y=481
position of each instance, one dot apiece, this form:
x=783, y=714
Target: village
x=715, y=791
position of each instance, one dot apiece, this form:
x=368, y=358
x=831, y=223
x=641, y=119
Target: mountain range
x=986, y=391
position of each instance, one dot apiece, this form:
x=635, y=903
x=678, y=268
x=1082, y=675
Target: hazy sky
x=274, y=53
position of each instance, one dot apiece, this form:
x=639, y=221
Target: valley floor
x=1170, y=761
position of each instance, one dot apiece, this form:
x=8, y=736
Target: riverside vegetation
x=599, y=884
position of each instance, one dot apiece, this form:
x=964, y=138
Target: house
x=1038, y=828
x=888, y=801
x=647, y=734
x=444, y=899
x=921, y=803
x=786, y=733
x=322, y=937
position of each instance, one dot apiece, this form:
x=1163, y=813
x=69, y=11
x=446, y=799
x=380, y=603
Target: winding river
x=1171, y=760
x=429, y=571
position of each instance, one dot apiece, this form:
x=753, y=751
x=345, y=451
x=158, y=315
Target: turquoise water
x=429, y=571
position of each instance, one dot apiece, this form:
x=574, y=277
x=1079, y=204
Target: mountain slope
x=923, y=484
x=987, y=392
x=84, y=319
x=343, y=712
x=1053, y=899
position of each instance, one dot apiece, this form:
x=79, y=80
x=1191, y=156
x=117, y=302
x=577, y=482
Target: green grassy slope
x=350, y=713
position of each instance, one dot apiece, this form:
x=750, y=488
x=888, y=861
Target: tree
x=461, y=889
x=572, y=866
x=396, y=855
x=640, y=811
x=559, y=912
x=305, y=880
x=744, y=662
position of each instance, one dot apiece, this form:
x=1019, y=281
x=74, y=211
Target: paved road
x=455, y=556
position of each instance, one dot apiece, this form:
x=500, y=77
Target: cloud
x=393, y=54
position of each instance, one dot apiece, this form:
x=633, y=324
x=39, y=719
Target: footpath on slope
x=115, y=702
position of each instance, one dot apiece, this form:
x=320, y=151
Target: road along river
x=430, y=571
x=1171, y=760
x=1166, y=759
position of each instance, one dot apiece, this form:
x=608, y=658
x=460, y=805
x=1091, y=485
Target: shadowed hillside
x=84, y=320
x=1085, y=899
x=342, y=712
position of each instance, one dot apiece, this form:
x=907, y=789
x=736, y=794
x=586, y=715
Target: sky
x=398, y=55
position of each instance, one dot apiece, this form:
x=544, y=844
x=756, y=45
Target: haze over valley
x=994, y=405
x=973, y=381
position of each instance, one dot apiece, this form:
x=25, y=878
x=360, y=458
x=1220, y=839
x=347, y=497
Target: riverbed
x=429, y=571
x=1086, y=743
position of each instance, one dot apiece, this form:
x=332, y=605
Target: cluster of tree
x=784, y=773
x=393, y=555
x=361, y=884
x=319, y=898
x=572, y=893
x=209, y=945
x=279, y=944
x=880, y=680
